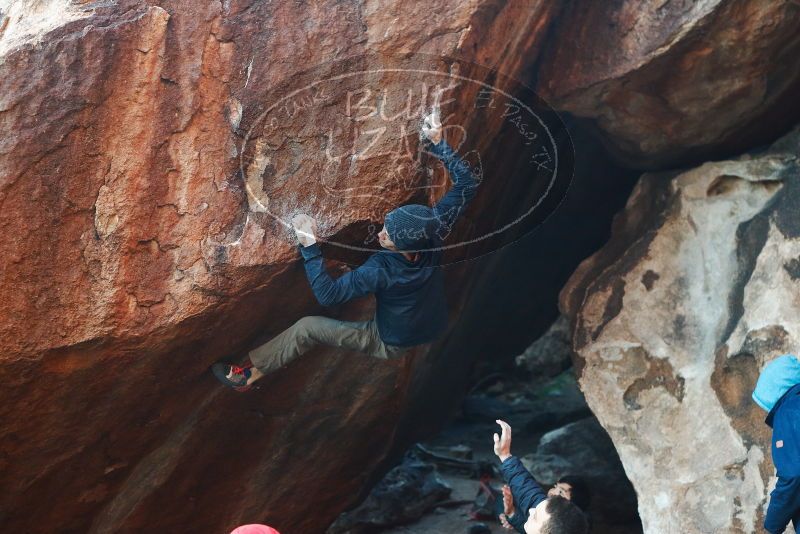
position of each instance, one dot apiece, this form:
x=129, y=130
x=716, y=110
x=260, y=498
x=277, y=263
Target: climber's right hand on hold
x=432, y=126
x=305, y=228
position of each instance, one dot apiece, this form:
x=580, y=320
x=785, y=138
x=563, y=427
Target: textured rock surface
x=549, y=355
x=673, y=319
x=402, y=496
x=665, y=80
x=132, y=259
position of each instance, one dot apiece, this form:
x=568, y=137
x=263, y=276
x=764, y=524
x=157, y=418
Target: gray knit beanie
x=410, y=227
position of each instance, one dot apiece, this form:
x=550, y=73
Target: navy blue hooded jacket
x=411, y=307
x=784, y=503
x=527, y=493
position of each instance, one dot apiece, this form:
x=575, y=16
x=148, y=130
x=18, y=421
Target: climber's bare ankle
x=255, y=374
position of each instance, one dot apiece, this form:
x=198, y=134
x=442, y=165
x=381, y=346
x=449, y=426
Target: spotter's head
x=556, y=515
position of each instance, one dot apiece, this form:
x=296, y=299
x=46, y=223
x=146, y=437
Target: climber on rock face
x=778, y=392
x=408, y=285
x=547, y=513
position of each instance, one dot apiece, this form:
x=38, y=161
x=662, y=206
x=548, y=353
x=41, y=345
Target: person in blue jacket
x=778, y=393
x=411, y=309
x=572, y=488
x=547, y=514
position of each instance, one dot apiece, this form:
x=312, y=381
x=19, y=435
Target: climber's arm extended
x=465, y=186
x=368, y=278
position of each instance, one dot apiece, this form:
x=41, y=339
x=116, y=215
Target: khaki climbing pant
x=308, y=332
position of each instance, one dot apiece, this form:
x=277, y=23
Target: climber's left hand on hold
x=306, y=229
x=432, y=126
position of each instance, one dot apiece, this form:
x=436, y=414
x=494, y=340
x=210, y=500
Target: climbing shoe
x=232, y=376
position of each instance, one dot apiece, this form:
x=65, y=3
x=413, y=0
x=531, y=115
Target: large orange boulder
x=665, y=82
x=150, y=155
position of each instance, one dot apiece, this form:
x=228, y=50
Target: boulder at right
x=667, y=81
x=698, y=288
